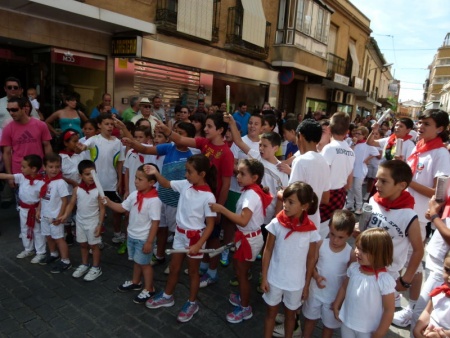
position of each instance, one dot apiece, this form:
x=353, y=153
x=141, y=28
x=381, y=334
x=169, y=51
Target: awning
x=254, y=25
x=354, y=56
x=79, y=14
x=369, y=100
x=334, y=85
x=188, y=14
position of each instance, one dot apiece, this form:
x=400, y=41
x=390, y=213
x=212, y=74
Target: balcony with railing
x=236, y=43
x=335, y=65
x=167, y=20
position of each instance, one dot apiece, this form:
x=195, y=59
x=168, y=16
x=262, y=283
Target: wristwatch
x=433, y=217
x=405, y=285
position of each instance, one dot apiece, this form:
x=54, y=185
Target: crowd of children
x=203, y=180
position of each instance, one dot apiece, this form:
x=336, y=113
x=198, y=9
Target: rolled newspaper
x=398, y=147
x=384, y=116
x=365, y=217
x=441, y=188
x=97, y=183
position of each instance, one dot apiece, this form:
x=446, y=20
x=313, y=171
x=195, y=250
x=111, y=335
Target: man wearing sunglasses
x=12, y=88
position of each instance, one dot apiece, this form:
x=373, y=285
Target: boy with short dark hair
x=89, y=219
x=53, y=195
x=289, y=134
x=30, y=183
x=334, y=255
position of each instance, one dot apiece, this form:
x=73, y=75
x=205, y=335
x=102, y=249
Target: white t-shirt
x=86, y=153
x=431, y=164
x=396, y=222
x=272, y=179
x=87, y=207
x=28, y=194
x=106, y=153
x=332, y=266
x=341, y=158
x=239, y=155
x=69, y=167
x=363, y=304
x=440, y=316
x=139, y=223
x=193, y=206
x=437, y=248
x=312, y=168
x=52, y=201
x=287, y=267
x=362, y=151
x=251, y=200
x=407, y=148
x=132, y=162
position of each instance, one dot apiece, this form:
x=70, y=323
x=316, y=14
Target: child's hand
x=319, y=281
x=162, y=128
x=216, y=207
x=63, y=218
x=81, y=146
x=433, y=206
x=56, y=221
x=305, y=294
x=150, y=169
x=265, y=285
x=356, y=230
x=375, y=127
x=104, y=200
x=38, y=216
x=335, y=312
x=98, y=230
x=284, y=168
x=147, y=248
x=228, y=118
x=401, y=158
x=117, y=123
x=128, y=142
x=194, y=249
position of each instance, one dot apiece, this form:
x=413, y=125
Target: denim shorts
x=134, y=247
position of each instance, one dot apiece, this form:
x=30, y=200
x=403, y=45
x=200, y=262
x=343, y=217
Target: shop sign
x=341, y=79
x=358, y=83
x=126, y=46
x=78, y=59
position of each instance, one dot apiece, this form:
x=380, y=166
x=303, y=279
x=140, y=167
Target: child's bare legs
x=194, y=277
x=84, y=248
x=137, y=274
x=51, y=244
x=308, y=331
x=289, y=322
x=147, y=272
x=269, y=321
x=327, y=332
x=242, y=276
x=62, y=247
x=161, y=240
x=95, y=255
x=174, y=272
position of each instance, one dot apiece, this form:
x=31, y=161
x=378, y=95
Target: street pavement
x=35, y=302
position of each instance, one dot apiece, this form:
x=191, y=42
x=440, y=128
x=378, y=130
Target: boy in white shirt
x=108, y=155
x=54, y=200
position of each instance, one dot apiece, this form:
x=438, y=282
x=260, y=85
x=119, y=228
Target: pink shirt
x=25, y=139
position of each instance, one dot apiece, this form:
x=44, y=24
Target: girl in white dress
x=365, y=303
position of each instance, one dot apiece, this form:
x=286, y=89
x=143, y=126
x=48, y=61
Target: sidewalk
x=34, y=302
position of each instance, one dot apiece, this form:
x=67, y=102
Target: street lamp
x=384, y=68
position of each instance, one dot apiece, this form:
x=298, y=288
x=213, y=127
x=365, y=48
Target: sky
x=408, y=33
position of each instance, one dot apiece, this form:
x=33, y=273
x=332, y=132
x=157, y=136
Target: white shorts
x=291, y=299
x=349, y=333
x=423, y=233
x=180, y=241
x=85, y=233
x=168, y=217
x=256, y=243
x=372, y=171
x=315, y=309
x=48, y=229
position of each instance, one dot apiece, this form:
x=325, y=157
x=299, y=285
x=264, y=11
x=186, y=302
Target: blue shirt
x=95, y=112
x=243, y=120
x=291, y=149
x=173, y=168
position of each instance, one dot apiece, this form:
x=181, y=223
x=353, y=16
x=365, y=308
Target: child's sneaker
x=129, y=286
x=25, y=254
x=187, y=312
x=403, y=317
x=81, y=271
x=143, y=296
x=239, y=314
x=278, y=331
x=206, y=280
x=279, y=319
x=38, y=258
x=234, y=281
x=235, y=299
x=122, y=248
x=61, y=267
x=159, y=301
x=258, y=288
x=225, y=258
x=119, y=237
x=93, y=273
x=48, y=260
x=167, y=270
x=157, y=261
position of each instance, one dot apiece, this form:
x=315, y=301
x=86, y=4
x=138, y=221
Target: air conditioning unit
x=338, y=96
x=350, y=99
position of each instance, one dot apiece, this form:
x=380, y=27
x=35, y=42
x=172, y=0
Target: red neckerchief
x=367, y=268
x=266, y=198
x=443, y=288
x=202, y=188
x=244, y=252
x=86, y=187
x=361, y=141
x=423, y=147
x=404, y=201
x=140, y=197
x=38, y=177
x=141, y=157
x=393, y=138
x=294, y=223
x=47, y=181
x=69, y=153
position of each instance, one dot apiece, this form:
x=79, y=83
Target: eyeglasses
x=357, y=134
x=12, y=87
x=146, y=106
x=13, y=110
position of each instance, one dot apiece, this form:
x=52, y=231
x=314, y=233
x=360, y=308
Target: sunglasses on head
x=12, y=87
x=13, y=110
